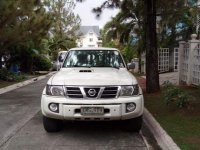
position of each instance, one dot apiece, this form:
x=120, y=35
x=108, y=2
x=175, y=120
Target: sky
x=84, y=10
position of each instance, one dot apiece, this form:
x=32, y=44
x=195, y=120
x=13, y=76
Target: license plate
x=92, y=110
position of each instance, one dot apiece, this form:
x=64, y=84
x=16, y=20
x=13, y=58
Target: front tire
x=52, y=125
x=134, y=124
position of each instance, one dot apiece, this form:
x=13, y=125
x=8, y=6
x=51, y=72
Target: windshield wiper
x=107, y=66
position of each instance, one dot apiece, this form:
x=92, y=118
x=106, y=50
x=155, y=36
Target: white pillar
x=180, y=59
x=136, y=62
x=192, y=45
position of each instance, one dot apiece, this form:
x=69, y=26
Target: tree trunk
x=140, y=61
x=152, y=75
x=1, y=61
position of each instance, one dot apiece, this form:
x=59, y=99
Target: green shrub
x=3, y=74
x=41, y=63
x=6, y=75
x=175, y=94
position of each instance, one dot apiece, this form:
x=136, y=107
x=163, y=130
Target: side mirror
x=130, y=66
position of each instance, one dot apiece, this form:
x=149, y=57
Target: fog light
x=130, y=107
x=54, y=107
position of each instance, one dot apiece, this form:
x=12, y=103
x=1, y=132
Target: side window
x=91, y=39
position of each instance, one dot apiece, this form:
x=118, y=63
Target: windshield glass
x=94, y=58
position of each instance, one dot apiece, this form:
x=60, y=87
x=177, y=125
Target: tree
x=123, y=25
x=152, y=82
x=152, y=75
x=166, y=9
x=22, y=26
x=65, y=25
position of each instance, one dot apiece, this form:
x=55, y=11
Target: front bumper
x=69, y=108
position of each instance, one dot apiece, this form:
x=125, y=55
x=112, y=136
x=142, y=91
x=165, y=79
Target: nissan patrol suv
x=94, y=84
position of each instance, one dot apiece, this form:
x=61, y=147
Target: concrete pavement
x=169, y=76
x=75, y=136
x=17, y=107
x=21, y=127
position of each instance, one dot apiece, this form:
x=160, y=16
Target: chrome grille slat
x=109, y=92
x=112, y=90
x=74, y=92
x=104, y=92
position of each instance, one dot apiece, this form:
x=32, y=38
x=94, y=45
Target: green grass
x=182, y=124
x=6, y=83
x=26, y=75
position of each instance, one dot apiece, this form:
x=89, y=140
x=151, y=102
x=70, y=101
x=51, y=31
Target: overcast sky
x=84, y=10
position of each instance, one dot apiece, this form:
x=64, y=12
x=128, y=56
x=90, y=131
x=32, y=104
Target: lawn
x=5, y=83
x=26, y=77
x=182, y=124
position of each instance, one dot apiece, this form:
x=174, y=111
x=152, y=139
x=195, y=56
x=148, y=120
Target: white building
x=89, y=36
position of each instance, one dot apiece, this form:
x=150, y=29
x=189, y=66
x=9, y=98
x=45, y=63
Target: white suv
x=93, y=84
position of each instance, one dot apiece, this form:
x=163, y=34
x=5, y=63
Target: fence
x=175, y=59
x=163, y=60
x=189, y=61
x=167, y=60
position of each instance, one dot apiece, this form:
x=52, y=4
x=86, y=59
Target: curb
x=21, y=84
x=163, y=139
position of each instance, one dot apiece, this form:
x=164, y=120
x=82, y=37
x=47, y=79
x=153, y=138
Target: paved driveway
x=75, y=136
x=21, y=127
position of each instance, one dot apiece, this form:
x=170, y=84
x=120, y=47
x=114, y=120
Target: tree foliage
x=65, y=24
x=34, y=27
x=23, y=25
x=178, y=22
x=21, y=22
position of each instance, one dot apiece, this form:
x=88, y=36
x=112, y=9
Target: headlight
x=130, y=90
x=54, y=90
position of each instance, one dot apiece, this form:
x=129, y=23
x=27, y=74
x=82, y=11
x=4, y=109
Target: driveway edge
x=161, y=136
x=21, y=84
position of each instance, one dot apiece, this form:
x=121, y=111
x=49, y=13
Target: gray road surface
x=21, y=127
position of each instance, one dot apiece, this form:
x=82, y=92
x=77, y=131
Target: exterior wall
x=88, y=40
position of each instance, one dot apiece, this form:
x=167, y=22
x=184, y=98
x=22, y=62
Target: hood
x=93, y=76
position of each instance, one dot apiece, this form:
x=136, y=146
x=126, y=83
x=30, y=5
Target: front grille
x=92, y=92
x=74, y=92
x=109, y=92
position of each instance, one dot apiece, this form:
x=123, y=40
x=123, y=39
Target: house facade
x=89, y=36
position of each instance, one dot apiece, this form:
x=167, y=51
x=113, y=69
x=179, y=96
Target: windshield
x=94, y=58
